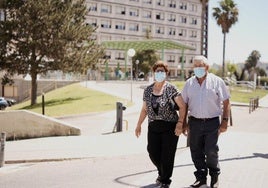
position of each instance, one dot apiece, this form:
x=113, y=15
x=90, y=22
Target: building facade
x=178, y=20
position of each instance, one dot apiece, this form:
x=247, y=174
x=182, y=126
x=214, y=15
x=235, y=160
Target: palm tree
x=251, y=64
x=226, y=15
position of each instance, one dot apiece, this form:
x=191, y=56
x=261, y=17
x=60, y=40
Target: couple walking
x=205, y=101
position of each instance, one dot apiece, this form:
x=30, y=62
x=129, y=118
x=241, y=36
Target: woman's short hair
x=160, y=64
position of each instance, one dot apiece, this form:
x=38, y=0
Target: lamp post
x=131, y=52
x=137, y=72
x=259, y=81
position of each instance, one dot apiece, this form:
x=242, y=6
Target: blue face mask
x=160, y=76
x=200, y=72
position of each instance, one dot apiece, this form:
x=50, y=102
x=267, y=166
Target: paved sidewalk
x=243, y=149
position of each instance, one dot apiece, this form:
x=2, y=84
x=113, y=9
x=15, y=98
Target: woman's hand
x=178, y=129
x=138, y=131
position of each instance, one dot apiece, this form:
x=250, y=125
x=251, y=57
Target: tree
x=251, y=62
x=147, y=58
x=47, y=35
x=226, y=15
x=250, y=66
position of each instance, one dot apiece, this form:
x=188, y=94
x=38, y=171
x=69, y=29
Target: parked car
x=10, y=101
x=3, y=103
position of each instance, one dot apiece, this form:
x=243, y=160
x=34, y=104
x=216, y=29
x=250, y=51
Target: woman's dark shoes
x=199, y=183
x=214, y=182
x=157, y=181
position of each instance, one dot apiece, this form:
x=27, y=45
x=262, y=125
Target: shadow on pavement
x=120, y=180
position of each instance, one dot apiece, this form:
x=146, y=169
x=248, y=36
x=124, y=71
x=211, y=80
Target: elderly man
x=207, y=99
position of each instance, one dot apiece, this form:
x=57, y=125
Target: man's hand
x=223, y=126
x=185, y=129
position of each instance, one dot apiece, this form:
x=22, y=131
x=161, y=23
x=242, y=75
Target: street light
x=137, y=63
x=259, y=81
x=131, y=52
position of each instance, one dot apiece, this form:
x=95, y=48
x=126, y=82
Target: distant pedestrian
x=204, y=93
x=165, y=125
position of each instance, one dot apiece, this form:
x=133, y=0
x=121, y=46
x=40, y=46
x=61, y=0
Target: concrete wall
x=21, y=89
x=23, y=124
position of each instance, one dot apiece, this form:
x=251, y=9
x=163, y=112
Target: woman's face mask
x=160, y=76
x=200, y=72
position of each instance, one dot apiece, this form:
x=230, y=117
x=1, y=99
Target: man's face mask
x=200, y=72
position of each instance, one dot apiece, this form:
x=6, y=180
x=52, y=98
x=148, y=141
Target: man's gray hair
x=201, y=58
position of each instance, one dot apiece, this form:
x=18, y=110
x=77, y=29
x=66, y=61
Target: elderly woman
x=165, y=123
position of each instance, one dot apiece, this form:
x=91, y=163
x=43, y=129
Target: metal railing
x=253, y=104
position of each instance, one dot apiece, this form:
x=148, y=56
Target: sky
x=248, y=34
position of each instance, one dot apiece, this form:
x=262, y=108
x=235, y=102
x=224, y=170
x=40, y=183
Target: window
x=194, y=21
x=194, y=7
x=107, y=55
x=182, y=32
x=160, y=16
x=171, y=58
x=133, y=27
x=105, y=24
x=92, y=7
x=183, y=19
x=147, y=14
x=160, y=30
x=193, y=34
x=147, y=1
x=183, y=6
x=92, y=22
x=172, y=17
x=120, y=10
x=106, y=8
x=119, y=56
x=134, y=12
x=172, y=31
x=120, y=26
x=172, y=3
x=160, y=2
x=146, y=28
x=104, y=37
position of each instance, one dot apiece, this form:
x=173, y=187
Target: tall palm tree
x=204, y=25
x=226, y=15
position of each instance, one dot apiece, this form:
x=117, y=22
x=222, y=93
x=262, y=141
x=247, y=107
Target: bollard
x=2, y=148
x=231, y=118
x=253, y=104
x=119, y=116
x=43, y=103
x=250, y=105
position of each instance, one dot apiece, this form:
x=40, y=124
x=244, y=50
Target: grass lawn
x=238, y=94
x=75, y=99
x=71, y=99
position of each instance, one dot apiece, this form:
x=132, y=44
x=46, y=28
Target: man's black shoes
x=163, y=185
x=199, y=183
